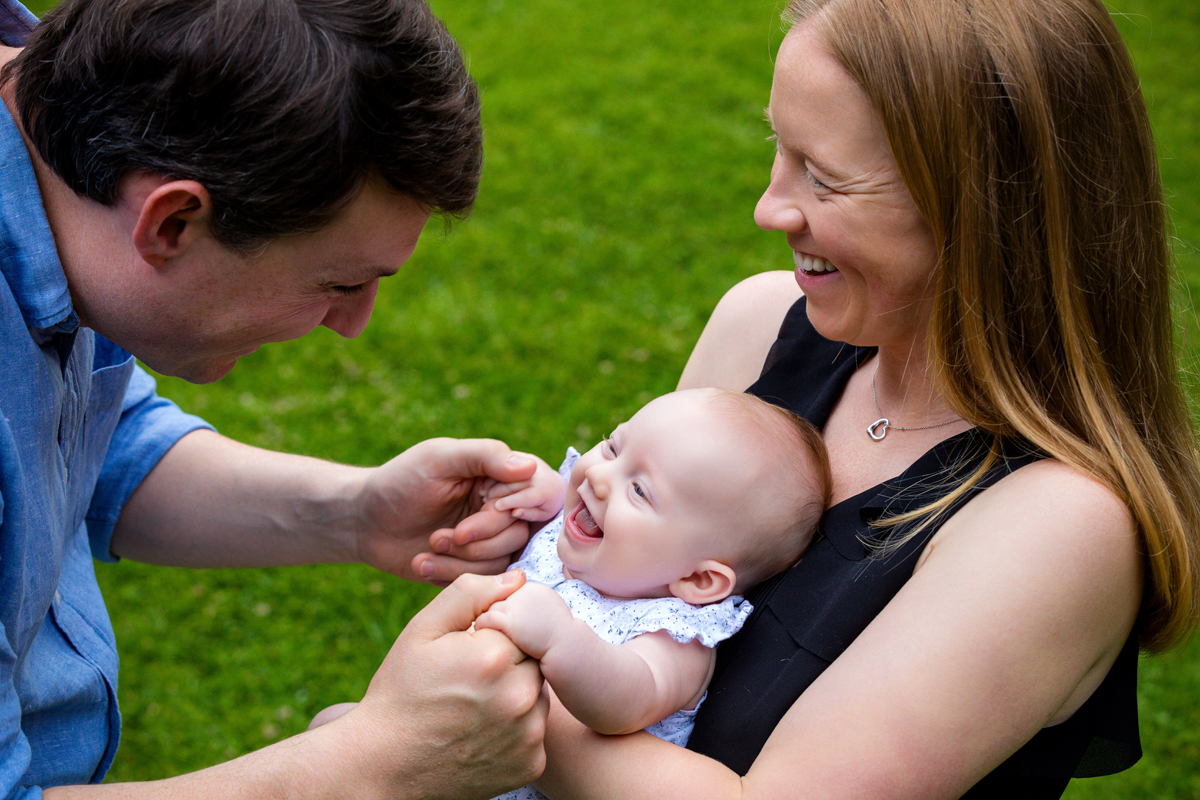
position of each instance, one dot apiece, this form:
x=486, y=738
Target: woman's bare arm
x=1014, y=615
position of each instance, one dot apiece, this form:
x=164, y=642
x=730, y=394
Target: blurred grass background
x=625, y=152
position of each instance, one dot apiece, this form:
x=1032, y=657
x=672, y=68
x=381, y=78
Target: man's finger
x=482, y=634
x=457, y=606
x=443, y=570
x=508, y=542
x=483, y=524
x=477, y=458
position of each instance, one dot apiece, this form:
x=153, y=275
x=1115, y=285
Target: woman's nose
x=777, y=209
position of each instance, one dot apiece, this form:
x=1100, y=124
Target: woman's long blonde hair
x=1020, y=130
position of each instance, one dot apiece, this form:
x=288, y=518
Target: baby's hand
x=536, y=500
x=530, y=617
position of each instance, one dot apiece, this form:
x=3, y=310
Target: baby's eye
x=607, y=448
x=637, y=489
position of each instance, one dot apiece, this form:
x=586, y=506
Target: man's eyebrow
x=352, y=276
x=380, y=271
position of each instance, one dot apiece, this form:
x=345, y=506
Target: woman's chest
x=857, y=461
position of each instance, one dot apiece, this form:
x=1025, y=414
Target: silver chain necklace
x=879, y=428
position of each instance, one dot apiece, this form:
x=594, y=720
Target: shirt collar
x=28, y=259
x=15, y=23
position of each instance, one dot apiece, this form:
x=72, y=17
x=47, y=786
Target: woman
x=970, y=193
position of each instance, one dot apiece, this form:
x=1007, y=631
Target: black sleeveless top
x=805, y=617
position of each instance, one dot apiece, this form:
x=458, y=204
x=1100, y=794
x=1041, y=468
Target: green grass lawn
x=625, y=152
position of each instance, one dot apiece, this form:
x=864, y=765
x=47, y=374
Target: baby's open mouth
x=583, y=522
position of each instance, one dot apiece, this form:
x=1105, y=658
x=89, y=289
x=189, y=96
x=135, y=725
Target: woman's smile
x=812, y=265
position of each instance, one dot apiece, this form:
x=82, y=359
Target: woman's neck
x=904, y=387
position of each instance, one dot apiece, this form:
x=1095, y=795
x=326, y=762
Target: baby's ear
x=711, y=582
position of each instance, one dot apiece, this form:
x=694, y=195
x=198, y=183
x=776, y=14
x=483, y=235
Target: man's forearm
x=305, y=766
x=212, y=502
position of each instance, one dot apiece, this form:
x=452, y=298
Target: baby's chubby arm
x=610, y=688
x=536, y=500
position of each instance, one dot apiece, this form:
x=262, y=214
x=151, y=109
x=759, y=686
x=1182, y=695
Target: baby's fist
x=531, y=618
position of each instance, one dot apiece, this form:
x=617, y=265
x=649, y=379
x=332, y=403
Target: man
x=184, y=182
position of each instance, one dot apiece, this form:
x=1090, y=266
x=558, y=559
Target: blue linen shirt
x=80, y=427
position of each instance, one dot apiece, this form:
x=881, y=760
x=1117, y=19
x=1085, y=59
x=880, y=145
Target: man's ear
x=711, y=582
x=172, y=216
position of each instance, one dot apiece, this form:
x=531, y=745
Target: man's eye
x=349, y=290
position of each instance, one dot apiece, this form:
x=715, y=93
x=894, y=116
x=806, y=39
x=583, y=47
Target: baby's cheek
x=576, y=478
x=571, y=501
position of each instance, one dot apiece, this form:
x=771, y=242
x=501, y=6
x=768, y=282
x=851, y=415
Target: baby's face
x=669, y=489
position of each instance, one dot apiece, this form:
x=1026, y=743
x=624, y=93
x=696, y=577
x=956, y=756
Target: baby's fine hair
x=783, y=527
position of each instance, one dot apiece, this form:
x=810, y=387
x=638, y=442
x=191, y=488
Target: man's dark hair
x=281, y=109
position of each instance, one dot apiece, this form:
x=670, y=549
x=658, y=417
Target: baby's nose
x=597, y=481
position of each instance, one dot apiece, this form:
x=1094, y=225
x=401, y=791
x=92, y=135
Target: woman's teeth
x=812, y=264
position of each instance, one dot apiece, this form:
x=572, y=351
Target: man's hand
x=449, y=715
x=507, y=507
x=530, y=618
x=435, y=485
x=464, y=711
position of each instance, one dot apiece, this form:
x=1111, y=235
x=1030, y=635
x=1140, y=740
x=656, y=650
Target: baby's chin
x=614, y=591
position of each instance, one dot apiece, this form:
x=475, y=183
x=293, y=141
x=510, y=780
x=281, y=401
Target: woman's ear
x=171, y=218
x=711, y=582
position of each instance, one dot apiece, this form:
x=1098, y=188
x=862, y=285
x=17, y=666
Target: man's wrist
x=329, y=514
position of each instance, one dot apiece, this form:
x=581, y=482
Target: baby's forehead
x=700, y=447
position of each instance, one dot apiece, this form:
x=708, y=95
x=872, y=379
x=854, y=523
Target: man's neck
x=75, y=221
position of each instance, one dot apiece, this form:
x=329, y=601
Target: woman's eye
x=814, y=180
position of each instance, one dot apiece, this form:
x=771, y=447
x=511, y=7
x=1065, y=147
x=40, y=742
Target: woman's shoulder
x=1061, y=492
x=740, y=332
x=1048, y=512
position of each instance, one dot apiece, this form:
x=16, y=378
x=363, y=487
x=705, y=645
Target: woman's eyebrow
x=834, y=174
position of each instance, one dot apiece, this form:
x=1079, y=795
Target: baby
x=699, y=496
x=655, y=534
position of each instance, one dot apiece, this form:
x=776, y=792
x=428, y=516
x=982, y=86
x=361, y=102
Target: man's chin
x=199, y=372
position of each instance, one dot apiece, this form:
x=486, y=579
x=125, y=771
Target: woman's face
x=864, y=255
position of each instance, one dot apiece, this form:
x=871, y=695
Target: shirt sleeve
x=149, y=426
